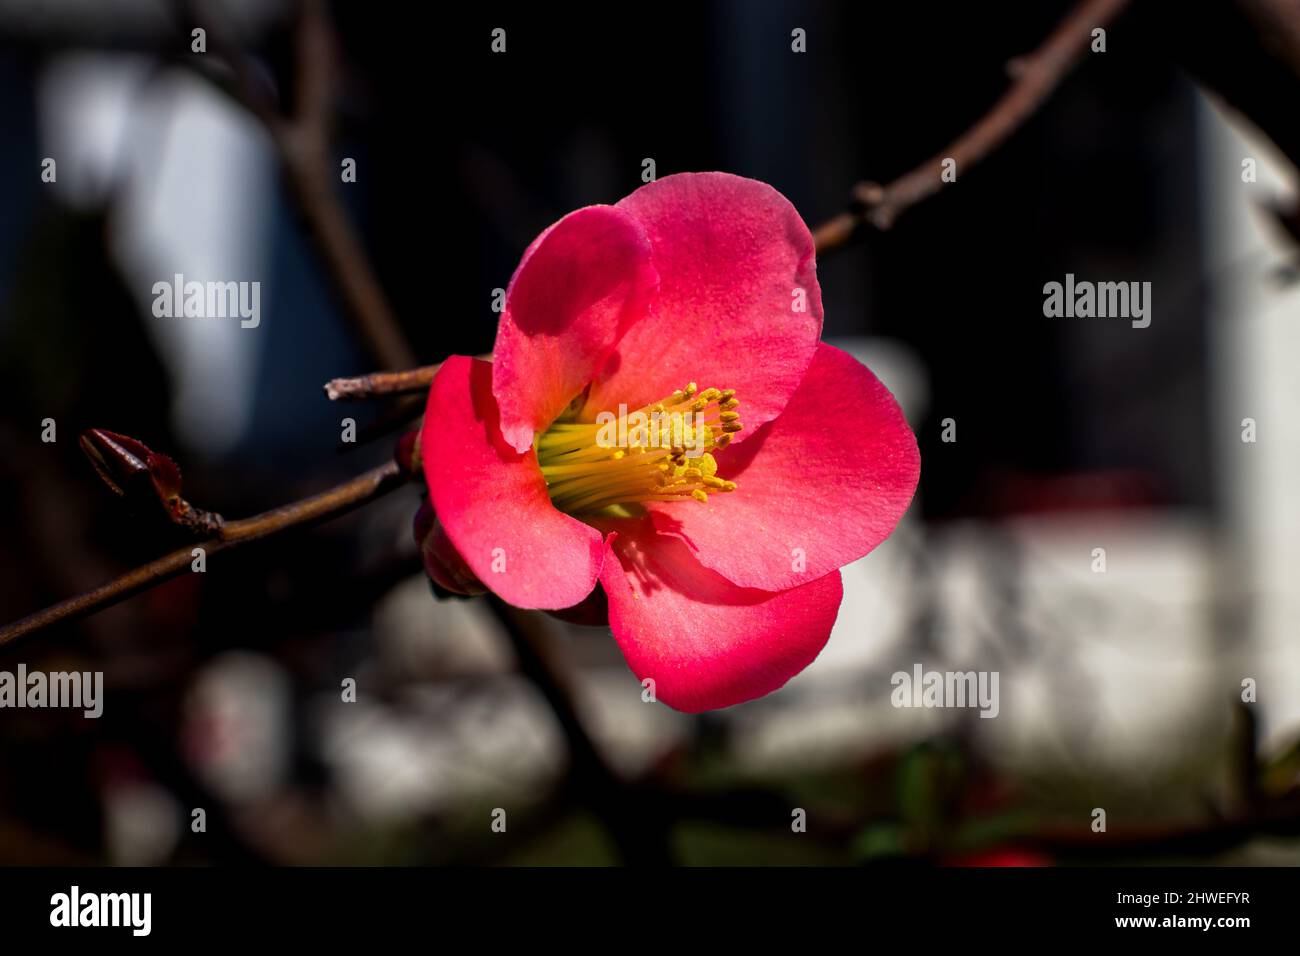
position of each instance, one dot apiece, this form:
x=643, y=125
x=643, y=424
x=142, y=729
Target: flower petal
x=734, y=262
x=492, y=501
x=818, y=488
x=705, y=642
x=578, y=286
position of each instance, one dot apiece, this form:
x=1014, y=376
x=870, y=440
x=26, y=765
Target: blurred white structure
x=190, y=178
x=1256, y=351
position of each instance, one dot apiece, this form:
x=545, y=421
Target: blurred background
x=1120, y=689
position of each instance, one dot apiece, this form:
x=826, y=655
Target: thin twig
x=1037, y=74
x=328, y=504
x=412, y=381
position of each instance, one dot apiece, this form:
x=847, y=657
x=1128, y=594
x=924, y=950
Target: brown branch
x=315, y=60
x=412, y=381
x=328, y=504
x=1037, y=75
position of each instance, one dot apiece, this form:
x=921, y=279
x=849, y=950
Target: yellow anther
x=659, y=452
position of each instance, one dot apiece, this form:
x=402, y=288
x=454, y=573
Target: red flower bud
x=121, y=462
x=134, y=471
x=442, y=562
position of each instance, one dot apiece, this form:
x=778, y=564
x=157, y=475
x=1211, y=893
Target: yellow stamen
x=659, y=452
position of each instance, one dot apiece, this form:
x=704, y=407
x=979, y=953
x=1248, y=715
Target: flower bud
x=442, y=562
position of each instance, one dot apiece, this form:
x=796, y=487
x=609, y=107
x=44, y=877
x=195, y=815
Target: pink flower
x=717, y=543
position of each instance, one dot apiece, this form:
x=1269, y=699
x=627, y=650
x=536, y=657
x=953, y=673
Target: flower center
x=659, y=452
